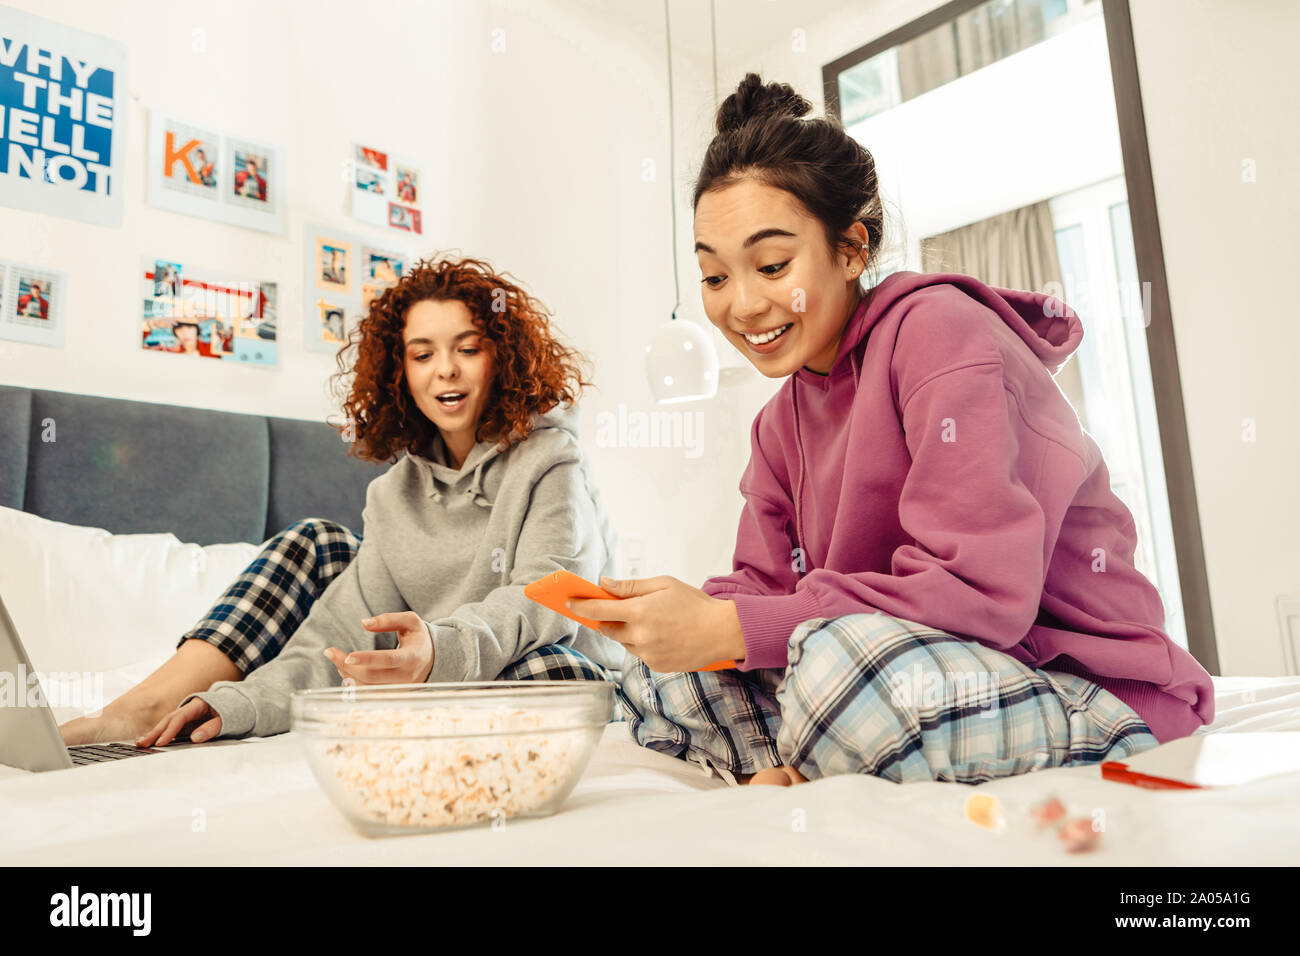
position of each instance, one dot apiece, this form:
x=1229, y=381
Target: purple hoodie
x=938, y=474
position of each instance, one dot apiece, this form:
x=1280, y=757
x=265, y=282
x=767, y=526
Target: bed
x=83, y=512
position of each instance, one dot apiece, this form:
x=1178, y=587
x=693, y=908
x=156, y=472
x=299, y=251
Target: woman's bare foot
x=195, y=667
x=782, y=776
x=118, y=721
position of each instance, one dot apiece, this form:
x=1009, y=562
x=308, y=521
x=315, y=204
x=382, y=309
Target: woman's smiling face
x=766, y=269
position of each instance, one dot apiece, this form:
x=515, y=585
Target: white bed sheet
x=256, y=802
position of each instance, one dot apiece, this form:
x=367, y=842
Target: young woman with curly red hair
x=456, y=374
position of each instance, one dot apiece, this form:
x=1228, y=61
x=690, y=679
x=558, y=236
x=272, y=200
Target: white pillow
x=105, y=608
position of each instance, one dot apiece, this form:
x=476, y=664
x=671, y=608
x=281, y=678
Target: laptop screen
x=29, y=736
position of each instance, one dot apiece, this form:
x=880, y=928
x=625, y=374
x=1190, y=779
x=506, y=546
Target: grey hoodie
x=456, y=547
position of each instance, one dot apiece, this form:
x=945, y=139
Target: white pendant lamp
x=681, y=363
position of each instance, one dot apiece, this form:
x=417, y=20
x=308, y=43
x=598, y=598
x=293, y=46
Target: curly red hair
x=532, y=371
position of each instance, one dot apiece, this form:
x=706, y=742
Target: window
x=984, y=35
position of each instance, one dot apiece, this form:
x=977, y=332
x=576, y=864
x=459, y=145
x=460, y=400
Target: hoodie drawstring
x=798, y=485
x=476, y=489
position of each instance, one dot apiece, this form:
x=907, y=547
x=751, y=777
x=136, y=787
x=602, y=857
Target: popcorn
x=449, y=766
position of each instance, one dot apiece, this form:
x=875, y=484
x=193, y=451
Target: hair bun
x=755, y=99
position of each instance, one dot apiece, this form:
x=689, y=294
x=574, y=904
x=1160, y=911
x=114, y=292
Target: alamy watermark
x=1086, y=298
x=919, y=689
x=75, y=908
x=83, y=690
x=657, y=429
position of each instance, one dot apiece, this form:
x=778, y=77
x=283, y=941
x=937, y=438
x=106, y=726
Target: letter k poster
x=200, y=171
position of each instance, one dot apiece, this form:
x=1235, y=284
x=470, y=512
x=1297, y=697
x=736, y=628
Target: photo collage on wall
x=385, y=190
x=192, y=168
x=189, y=310
x=201, y=172
x=345, y=272
x=31, y=304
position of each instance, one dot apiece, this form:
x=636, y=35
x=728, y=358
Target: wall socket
x=632, y=556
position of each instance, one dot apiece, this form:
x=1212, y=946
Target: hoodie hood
x=1047, y=325
x=440, y=478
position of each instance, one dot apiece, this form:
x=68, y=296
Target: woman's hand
x=666, y=622
x=410, y=662
x=187, y=715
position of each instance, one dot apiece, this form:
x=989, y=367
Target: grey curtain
x=966, y=43
x=1013, y=250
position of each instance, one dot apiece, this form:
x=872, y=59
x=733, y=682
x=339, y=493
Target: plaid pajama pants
x=258, y=613
x=874, y=694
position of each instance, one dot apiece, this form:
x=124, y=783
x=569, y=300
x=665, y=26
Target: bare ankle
x=194, y=668
x=148, y=703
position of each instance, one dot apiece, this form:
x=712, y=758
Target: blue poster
x=62, y=95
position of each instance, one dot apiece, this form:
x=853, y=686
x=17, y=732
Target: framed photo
x=381, y=266
x=334, y=265
x=370, y=181
x=331, y=318
x=408, y=185
x=249, y=170
x=366, y=156
x=404, y=218
x=167, y=279
x=31, y=304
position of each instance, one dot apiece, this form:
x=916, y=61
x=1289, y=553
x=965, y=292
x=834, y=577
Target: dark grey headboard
x=206, y=476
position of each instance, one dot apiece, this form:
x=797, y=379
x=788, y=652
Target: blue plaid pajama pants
x=874, y=694
x=255, y=617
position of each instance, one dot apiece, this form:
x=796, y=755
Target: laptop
x=29, y=735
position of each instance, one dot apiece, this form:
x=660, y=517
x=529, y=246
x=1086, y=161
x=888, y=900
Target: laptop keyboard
x=98, y=753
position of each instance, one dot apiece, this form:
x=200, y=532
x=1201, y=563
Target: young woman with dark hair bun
x=932, y=578
x=456, y=373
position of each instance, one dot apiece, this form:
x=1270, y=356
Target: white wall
x=1219, y=87
x=532, y=158
x=541, y=151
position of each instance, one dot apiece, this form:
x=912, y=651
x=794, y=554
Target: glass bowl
x=412, y=758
